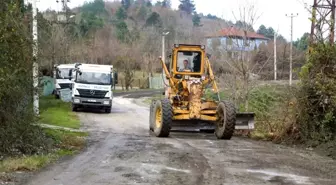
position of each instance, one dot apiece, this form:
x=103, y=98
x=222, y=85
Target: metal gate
x=156, y=82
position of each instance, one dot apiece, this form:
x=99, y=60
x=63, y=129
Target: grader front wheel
x=151, y=115
x=162, y=114
x=226, y=120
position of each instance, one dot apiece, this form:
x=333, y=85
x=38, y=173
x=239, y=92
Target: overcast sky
x=271, y=12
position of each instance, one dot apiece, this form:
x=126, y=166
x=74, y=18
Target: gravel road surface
x=121, y=151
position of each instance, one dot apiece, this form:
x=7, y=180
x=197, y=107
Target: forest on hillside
x=128, y=32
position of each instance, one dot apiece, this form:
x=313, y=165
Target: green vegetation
x=61, y=142
x=29, y=163
x=69, y=141
x=316, y=98
x=274, y=108
x=55, y=112
x=18, y=136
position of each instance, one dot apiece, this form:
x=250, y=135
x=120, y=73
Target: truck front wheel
x=108, y=110
x=74, y=108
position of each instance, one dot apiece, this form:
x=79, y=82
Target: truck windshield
x=62, y=73
x=94, y=78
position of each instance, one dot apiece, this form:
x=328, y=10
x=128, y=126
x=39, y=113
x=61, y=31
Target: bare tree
x=236, y=56
x=52, y=48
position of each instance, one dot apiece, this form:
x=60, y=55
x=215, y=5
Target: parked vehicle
x=62, y=78
x=92, y=86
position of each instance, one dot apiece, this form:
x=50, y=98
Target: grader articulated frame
x=184, y=107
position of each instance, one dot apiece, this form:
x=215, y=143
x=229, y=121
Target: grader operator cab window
x=189, y=61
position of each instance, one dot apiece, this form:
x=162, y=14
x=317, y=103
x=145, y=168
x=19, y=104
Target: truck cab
x=62, y=78
x=92, y=86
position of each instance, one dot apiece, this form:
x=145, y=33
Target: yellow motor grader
x=185, y=107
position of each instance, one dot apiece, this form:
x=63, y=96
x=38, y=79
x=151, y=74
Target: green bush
x=317, y=98
x=17, y=134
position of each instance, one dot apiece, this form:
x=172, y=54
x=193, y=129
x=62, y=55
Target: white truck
x=92, y=86
x=62, y=79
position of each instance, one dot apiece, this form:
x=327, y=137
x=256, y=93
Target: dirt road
x=121, y=151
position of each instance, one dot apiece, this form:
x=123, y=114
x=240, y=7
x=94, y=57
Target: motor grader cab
x=185, y=106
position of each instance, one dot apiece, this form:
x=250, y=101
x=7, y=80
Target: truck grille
x=65, y=85
x=87, y=93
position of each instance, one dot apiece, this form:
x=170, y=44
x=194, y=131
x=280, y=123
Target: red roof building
x=235, y=32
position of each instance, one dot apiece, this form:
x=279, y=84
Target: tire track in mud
x=160, y=160
x=185, y=156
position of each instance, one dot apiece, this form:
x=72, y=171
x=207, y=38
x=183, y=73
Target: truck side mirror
x=70, y=74
x=115, y=77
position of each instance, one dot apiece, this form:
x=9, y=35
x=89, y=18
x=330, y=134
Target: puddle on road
x=273, y=176
x=158, y=168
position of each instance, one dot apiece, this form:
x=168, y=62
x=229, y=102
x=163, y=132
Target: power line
x=291, y=49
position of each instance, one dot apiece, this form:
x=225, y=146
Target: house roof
x=235, y=32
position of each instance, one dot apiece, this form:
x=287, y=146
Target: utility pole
x=35, y=62
x=275, y=58
x=291, y=49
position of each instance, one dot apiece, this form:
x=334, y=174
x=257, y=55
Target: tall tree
x=262, y=30
x=166, y=4
x=149, y=4
x=244, y=25
x=196, y=19
x=187, y=6
x=154, y=19
x=121, y=13
x=267, y=32
x=302, y=43
x=97, y=7
x=126, y=4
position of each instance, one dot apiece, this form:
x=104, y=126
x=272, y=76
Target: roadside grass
x=273, y=106
x=58, y=113
x=64, y=142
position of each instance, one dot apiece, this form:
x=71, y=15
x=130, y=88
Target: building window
x=229, y=41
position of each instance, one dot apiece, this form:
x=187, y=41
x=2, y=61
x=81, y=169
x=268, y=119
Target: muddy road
x=121, y=151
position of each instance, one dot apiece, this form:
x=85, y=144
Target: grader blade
x=192, y=126
x=244, y=121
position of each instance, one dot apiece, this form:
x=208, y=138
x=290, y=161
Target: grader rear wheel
x=162, y=114
x=226, y=120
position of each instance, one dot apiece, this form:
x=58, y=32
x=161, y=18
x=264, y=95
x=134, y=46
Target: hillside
x=107, y=32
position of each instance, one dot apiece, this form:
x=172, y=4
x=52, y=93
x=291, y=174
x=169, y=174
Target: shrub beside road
x=63, y=140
